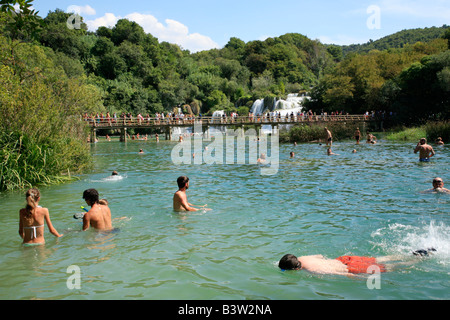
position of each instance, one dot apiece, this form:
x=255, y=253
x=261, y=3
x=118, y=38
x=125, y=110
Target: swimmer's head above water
x=90, y=196
x=183, y=182
x=289, y=262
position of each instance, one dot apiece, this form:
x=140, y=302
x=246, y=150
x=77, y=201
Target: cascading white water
x=217, y=117
x=292, y=104
x=257, y=107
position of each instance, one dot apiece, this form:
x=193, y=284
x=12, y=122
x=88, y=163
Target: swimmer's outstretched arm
x=196, y=205
x=199, y=207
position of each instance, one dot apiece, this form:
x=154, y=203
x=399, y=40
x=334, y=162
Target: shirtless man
x=99, y=216
x=357, y=135
x=425, y=150
x=345, y=265
x=329, y=136
x=180, y=202
x=438, y=186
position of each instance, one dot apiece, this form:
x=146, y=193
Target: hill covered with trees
x=50, y=74
x=138, y=74
x=398, y=40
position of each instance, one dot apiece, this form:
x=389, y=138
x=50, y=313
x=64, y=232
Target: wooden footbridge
x=167, y=124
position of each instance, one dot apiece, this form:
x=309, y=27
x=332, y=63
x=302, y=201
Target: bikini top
x=33, y=234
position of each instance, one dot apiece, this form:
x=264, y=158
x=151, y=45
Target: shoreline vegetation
x=315, y=133
x=51, y=74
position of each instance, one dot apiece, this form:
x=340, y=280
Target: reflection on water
x=363, y=203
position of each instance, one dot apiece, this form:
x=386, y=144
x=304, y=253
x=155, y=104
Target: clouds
x=87, y=9
x=170, y=31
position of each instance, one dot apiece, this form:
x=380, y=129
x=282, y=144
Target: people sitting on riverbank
x=32, y=217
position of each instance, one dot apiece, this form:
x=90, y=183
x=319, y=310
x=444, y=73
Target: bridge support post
x=93, y=135
x=169, y=133
x=123, y=135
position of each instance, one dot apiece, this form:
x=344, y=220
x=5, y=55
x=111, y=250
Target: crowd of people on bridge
x=220, y=117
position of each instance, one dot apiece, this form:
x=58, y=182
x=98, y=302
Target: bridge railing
x=248, y=120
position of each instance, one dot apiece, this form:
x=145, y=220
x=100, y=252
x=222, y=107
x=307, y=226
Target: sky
x=198, y=25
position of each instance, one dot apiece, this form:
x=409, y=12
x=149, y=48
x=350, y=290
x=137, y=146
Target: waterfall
x=293, y=103
x=217, y=118
x=257, y=107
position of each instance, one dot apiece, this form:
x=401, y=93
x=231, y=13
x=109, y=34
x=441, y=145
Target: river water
x=363, y=203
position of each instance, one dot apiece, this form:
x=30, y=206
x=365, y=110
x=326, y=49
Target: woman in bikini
x=31, y=223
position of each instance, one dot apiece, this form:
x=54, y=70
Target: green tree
x=24, y=23
x=127, y=30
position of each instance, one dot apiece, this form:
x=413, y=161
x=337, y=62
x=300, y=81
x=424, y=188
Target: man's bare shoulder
x=179, y=194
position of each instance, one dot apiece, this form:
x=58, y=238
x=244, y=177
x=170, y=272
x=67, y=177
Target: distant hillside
x=398, y=39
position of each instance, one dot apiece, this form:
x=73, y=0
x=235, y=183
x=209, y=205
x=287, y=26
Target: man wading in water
x=180, y=202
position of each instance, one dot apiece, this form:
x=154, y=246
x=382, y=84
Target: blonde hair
x=32, y=196
x=103, y=202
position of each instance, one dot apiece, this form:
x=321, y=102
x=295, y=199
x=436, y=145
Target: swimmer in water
x=347, y=265
x=438, y=187
x=425, y=150
x=330, y=153
x=99, y=216
x=31, y=220
x=180, y=202
x=262, y=158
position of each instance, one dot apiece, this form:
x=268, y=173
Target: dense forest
x=136, y=73
x=51, y=73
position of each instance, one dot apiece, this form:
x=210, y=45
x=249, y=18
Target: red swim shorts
x=357, y=264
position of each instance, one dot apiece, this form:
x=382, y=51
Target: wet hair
x=91, y=195
x=437, y=179
x=182, y=181
x=32, y=195
x=114, y=173
x=423, y=141
x=289, y=262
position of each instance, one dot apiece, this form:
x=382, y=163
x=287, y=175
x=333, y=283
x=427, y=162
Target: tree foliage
x=52, y=71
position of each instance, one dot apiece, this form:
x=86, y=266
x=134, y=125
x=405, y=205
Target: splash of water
x=398, y=238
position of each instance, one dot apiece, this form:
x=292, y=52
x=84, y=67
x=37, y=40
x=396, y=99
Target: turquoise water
x=364, y=203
